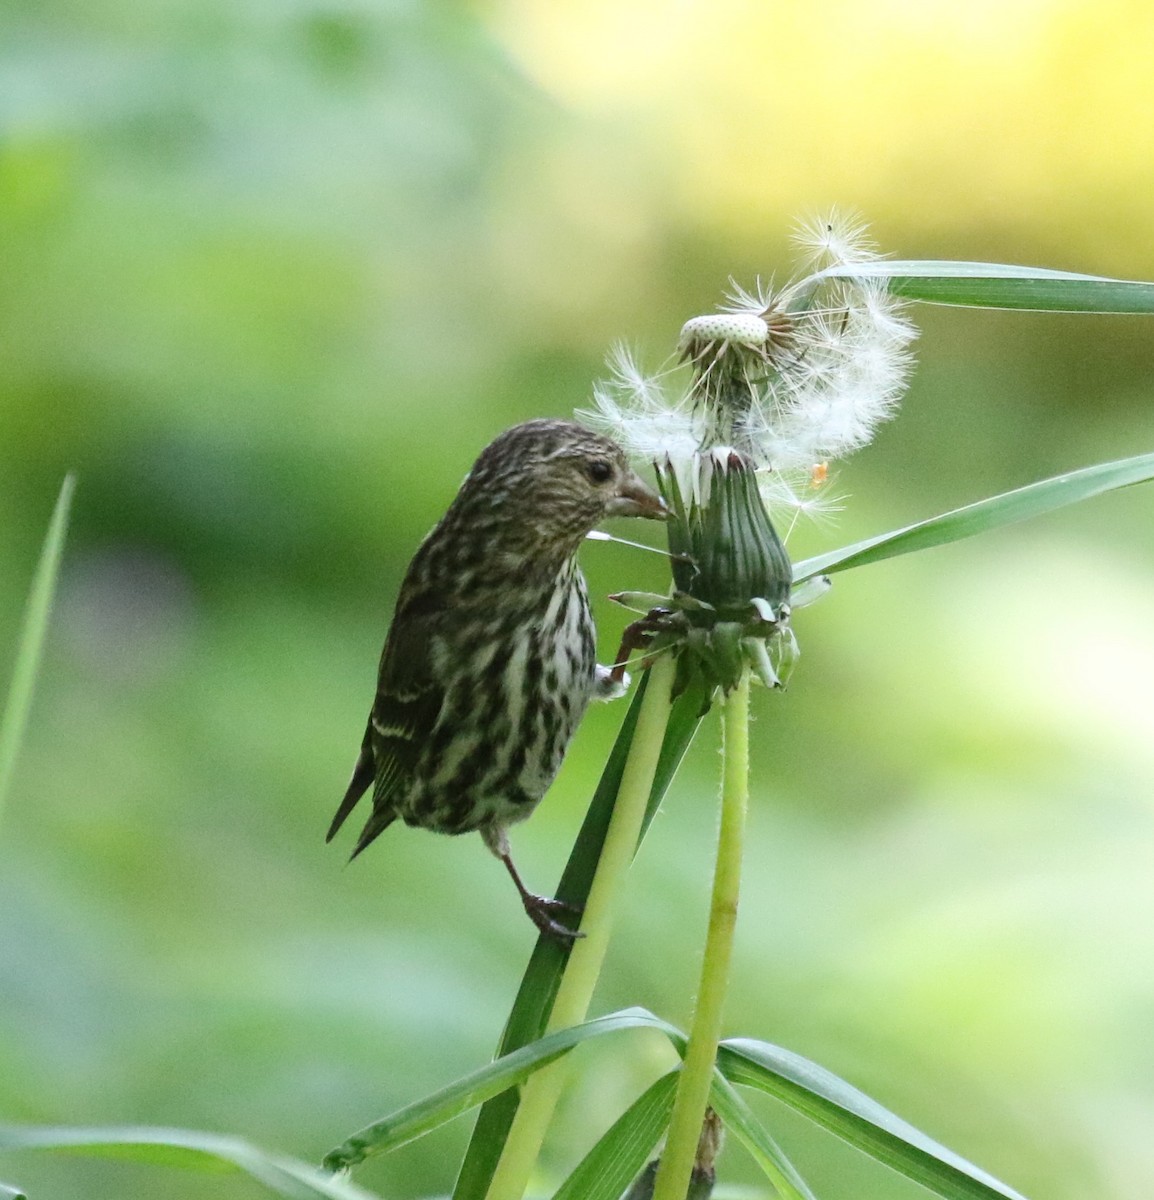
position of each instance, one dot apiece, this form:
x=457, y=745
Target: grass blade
x=189, y=1149
x=7, y=1192
x=739, y=1119
x=850, y=1114
x=684, y=718
x=538, y=990
x=616, y=1160
x=1030, y=501
x=416, y=1119
x=31, y=644
x=1002, y=285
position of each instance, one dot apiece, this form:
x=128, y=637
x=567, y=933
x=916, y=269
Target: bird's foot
x=543, y=912
x=639, y=636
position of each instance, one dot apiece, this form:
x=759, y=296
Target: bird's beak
x=635, y=498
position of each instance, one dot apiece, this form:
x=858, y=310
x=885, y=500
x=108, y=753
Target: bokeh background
x=273, y=272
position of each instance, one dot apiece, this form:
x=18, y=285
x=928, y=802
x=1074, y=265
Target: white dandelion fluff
x=792, y=378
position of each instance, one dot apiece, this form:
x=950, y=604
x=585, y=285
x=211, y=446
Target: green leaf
x=837, y=1106
x=7, y=1192
x=740, y=1120
x=538, y=990
x=1029, y=501
x=424, y=1115
x=1002, y=285
x=191, y=1150
x=613, y=1163
x=31, y=644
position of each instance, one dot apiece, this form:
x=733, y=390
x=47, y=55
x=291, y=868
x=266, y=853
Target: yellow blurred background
x=274, y=271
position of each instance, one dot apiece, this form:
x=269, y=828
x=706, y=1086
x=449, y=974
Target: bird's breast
x=517, y=691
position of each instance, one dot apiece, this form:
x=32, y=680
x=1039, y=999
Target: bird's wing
x=404, y=712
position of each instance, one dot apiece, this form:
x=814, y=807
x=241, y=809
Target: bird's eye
x=599, y=470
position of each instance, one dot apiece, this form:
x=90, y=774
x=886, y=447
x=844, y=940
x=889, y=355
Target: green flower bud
x=726, y=550
x=732, y=574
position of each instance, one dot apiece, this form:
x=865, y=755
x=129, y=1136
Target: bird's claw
x=541, y=910
x=639, y=636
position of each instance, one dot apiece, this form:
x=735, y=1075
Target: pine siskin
x=489, y=663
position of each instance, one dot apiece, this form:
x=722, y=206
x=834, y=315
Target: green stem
x=701, y=1054
x=540, y=1094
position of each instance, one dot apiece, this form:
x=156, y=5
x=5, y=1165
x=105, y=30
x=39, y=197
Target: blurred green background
x=273, y=272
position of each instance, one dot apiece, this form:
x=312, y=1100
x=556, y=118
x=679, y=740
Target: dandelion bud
x=731, y=571
x=731, y=551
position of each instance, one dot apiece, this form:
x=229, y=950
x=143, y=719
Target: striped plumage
x=489, y=663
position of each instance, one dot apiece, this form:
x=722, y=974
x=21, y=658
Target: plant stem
x=539, y=1095
x=700, y=1055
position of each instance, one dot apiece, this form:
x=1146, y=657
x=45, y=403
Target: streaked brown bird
x=490, y=660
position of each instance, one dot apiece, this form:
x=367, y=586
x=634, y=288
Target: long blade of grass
x=1003, y=285
x=850, y=1114
x=30, y=647
x=740, y=1120
x=419, y=1118
x=189, y=1149
x=616, y=1160
x=1030, y=501
x=538, y=990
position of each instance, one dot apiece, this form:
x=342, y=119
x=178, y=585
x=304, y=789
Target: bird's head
x=557, y=480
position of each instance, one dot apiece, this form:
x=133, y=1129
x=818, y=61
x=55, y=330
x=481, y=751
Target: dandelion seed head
x=788, y=378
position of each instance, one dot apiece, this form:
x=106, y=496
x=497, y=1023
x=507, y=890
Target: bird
x=490, y=662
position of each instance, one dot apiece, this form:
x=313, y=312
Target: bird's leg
x=637, y=636
x=542, y=908
x=539, y=908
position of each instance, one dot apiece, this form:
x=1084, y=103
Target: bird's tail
x=381, y=819
x=363, y=774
